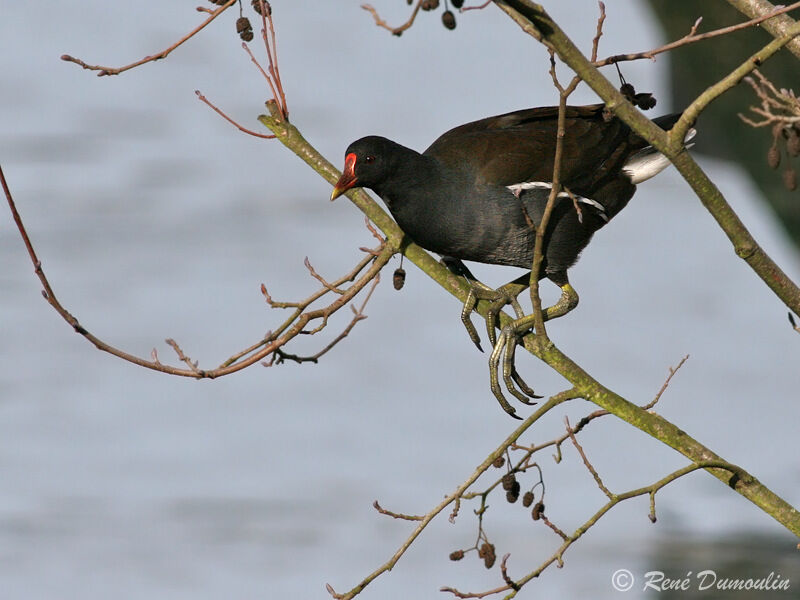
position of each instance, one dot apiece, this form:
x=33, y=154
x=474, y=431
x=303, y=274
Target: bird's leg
x=507, y=343
x=458, y=268
x=498, y=298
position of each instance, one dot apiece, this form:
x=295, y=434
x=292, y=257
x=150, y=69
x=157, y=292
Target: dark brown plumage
x=454, y=198
x=476, y=191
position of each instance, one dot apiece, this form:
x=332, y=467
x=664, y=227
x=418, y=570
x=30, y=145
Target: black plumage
x=479, y=192
x=454, y=198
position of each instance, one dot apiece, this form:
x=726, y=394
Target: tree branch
x=534, y=20
x=777, y=27
x=584, y=385
x=102, y=71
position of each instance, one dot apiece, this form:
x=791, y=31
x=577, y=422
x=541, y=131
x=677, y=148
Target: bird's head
x=367, y=163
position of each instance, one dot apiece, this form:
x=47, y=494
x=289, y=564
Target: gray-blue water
x=154, y=218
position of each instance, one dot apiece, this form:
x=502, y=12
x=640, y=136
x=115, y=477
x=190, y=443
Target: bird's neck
x=412, y=177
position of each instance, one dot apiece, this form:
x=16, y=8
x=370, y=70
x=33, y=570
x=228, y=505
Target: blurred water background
x=154, y=218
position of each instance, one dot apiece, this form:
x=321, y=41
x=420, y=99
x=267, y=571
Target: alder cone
x=790, y=179
x=774, y=156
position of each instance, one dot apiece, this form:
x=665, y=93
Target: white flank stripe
x=545, y=185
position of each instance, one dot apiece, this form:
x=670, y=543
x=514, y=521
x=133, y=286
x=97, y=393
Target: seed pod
x=538, y=510
x=457, y=3
x=790, y=179
x=499, y=462
x=793, y=142
x=515, y=488
x=645, y=101
x=508, y=481
x=527, y=499
x=774, y=155
x=244, y=29
x=487, y=553
x=399, y=278
x=449, y=19
x=457, y=555
x=257, y=7
x=627, y=90
x=511, y=497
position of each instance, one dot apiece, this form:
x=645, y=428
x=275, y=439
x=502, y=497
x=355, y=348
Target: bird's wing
x=519, y=147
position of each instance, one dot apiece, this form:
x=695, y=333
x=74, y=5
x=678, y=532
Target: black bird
x=473, y=194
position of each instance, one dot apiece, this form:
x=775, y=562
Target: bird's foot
x=498, y=299
x=505, y=348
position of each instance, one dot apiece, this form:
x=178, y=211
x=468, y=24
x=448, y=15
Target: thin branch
x=271, y=46
x=775, y=27
x=586, y=462
x=777, y=106
x=395, y=515
x=557, y=556
x=328, y=286
x=290, y=329
x=240, y=127
x=584, y=385
x=672, y=372
x=394, y=30
x=163, y=54
x=599, y=30
x=357, y=316
x=678, y=133
x=693, y=37
x=534, y=20
x=450, y=498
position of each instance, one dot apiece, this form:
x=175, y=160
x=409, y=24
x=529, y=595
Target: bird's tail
x=648, y=162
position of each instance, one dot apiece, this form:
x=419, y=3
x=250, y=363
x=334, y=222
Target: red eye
x=369, y=159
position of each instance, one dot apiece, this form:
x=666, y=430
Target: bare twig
x=477, y=7
x=672, y=372
x=271, y=46
x=599, y=31
x=395, y=515
x=586, y=461
x=358, y=315
x=693, y=37
x=256, y=353
x=102, y=71
x=394, y=30
x=240, y=127
x=450, y=498
x=320, y=278
x=777, y=106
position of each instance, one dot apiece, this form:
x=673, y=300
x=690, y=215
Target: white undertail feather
x=648, y=162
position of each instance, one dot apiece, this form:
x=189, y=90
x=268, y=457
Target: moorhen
x=480, y=189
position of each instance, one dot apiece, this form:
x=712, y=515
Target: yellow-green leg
x=506, y=347
x=499, y=298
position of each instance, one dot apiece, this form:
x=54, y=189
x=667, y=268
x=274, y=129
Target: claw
x=505, y=345
x=499, y=299
x=523, y=386
x=510, y=375
x=494, y=362
x=469, y=306
x=506, y=348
